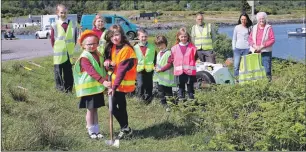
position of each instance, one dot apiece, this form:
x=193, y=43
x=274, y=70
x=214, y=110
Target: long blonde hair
x=181, y=31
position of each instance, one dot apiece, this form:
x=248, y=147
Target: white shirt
x=240, y=37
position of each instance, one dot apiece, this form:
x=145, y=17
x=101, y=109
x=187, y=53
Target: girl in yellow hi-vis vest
x=90, y=81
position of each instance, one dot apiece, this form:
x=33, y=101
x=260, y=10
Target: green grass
x=50, y=120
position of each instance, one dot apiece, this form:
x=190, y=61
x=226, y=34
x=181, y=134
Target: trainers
x=124, y=132
x=93, y=136
x=99, y=136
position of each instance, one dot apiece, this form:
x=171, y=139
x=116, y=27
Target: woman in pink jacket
x=261, y=40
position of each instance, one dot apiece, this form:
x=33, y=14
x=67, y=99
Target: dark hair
x=249, y=22
x=160, y=39
x=110, y=33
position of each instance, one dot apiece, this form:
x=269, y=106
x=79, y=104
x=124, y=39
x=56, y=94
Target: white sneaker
x=124, y=132
x=99, y=136
x=93, y=136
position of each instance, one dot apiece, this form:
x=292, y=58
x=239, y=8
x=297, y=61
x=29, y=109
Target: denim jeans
x=237, y=57
x=266, y=60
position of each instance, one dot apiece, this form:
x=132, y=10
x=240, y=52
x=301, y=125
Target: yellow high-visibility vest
x=203, y=40
x=251, y=68
x=64, y=42
x=84, y=84
x=102, y=42
x=145, y=62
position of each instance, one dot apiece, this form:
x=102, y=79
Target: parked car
x=43, y=34
x=46, y=22
x=129, y=28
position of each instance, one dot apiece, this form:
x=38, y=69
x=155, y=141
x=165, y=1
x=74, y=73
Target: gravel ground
x=25, y=49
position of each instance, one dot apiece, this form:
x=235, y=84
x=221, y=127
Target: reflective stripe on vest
x=203, y=40
x=251, y=68
x=84, y=84
x=129, y=79
x=102, y=42
x=184, y=63
x=145, y=62
x=64, y=42
x=165, y=78
x=125, y=82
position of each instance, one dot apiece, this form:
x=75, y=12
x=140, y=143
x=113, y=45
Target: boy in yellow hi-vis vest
x=63, y=38
x=146, y=56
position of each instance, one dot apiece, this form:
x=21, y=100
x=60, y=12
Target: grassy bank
x=270, y=115
x=262, y=116
x=40, y=118
x=45, y=119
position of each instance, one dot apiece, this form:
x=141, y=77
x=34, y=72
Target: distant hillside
x=26, y=7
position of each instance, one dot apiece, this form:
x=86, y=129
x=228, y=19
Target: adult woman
x=240, y=42
x=261, y=40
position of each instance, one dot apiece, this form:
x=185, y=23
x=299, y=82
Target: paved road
x=25, y=49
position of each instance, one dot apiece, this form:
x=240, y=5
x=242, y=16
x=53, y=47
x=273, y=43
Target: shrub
x=223, y=46
x=18, y=94
x=259, y=116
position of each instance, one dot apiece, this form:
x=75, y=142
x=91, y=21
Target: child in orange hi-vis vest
x=183, y=58
x=120, y=54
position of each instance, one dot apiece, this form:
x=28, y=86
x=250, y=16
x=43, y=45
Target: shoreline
x=295, y=21
x=169, y=25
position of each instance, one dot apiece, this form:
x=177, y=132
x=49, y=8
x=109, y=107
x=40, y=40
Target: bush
x=223, y=46
x=259, y=116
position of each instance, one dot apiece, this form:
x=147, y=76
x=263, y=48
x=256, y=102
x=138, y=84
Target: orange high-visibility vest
x=129, y=80
x=184, y=63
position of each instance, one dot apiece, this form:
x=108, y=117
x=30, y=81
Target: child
x=165, y=79
x=90, y=81
x=63, y=39
x=121, y=56
x=145, y=53
x=183, y=57
x=100, y=30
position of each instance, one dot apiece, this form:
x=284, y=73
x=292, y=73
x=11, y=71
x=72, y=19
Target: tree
x=245, y=7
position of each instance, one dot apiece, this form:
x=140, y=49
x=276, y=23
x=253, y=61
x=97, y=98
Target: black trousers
x=144, y=84
x=164, y=91
x=63, y=76
x=207, y=56
x=119, y=109
x=184, y=79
